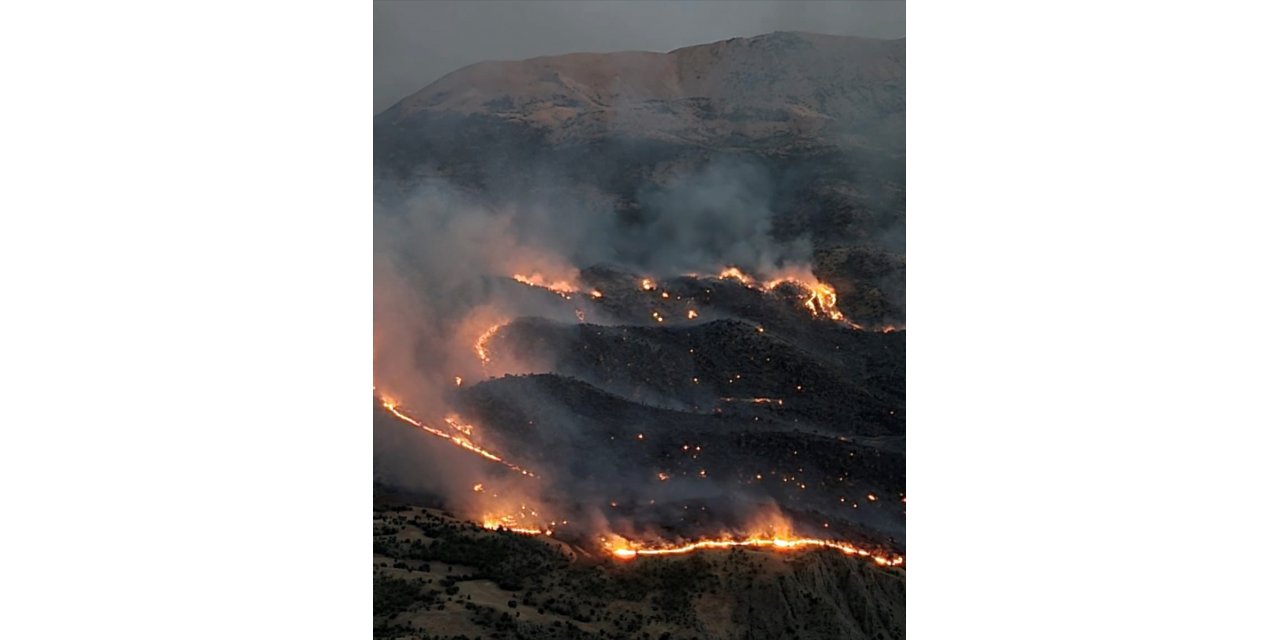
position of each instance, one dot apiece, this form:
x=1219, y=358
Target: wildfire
x=777, y=401
x=562, y=288
x=820, y=298
x=460, y=439
x=510, y=523
x=822, y=301
x=771, y=532
x=625, y=550
x=460, y=427
x=736, y=274
x=482, y=343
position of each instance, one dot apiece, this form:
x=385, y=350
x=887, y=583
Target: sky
x=417, y=42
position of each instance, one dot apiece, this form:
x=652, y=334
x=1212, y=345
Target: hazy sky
x=417, y=42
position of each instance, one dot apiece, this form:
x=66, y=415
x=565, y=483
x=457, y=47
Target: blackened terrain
x=686, y=406
x=689, y=425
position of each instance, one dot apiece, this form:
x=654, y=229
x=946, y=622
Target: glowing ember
x=647, y=284
x=478, y=488
x=777, y=401
x=693, y=313
x=457, y=381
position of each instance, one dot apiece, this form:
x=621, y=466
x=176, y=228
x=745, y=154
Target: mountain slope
x=817, y=122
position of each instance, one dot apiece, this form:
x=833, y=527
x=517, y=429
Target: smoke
x=700, y=222
x=444, y=258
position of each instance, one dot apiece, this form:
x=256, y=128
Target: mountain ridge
x=798, y=87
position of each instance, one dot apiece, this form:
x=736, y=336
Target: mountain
x=644, y=303
x=820, y=119
x=437, y=577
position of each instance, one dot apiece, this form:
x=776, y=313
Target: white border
x=187, y=284
x=185, y=256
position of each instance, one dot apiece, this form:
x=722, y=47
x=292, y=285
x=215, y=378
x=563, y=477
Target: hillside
x=644, y=312
x=438, y=577
x=813, y=125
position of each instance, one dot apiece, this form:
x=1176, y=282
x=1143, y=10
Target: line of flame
x=628, y=551
x=460, y=440
x=481, y=347
x=562, y=288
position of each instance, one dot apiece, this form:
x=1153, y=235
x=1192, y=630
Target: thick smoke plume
x=444, y=260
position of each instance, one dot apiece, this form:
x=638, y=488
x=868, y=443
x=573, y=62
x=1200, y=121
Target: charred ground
x=686, y=424
x=653, y=399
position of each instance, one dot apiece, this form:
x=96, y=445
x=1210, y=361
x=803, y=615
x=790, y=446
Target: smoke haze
x=418, y=42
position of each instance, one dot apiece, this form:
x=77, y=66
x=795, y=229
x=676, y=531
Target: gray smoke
x=444, y=255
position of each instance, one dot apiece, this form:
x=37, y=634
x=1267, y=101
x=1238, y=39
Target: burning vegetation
x=643, y=366
x=769, y=396
x=461, y=436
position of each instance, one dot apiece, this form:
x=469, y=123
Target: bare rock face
x=819, y=119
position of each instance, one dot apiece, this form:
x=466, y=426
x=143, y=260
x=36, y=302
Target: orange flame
x=461, y=439
x=482, y=343
x=736, y=274
x=777, y=401
x=625, y=550
x=562, y=288
x=772, y=532
x=509, y=523
x=820, y=297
